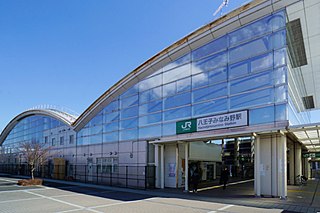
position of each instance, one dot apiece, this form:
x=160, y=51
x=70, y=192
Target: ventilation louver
x=308, y=102
x=296, y=44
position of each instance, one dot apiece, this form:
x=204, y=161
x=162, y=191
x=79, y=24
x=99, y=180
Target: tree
x=36, y=154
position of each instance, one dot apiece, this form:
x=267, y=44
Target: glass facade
x=244, y=69
x=37, y=128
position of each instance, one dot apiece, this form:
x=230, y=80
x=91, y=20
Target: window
x=210, y=63
x=179, y=113
x=169, y=129
x=210, y=48
x=177, y=100
x=211, y=92
x=182, y=60
x=262, y=115
x=250, y=49
x=176, y=73
x=150, y=107
x=71, y=139
x=128, y=134
x=109, y=127
x=112, y=107
x=111, y=137
x=53, y=141
x=149, y=119
x=251, y=82
x=149, y=83
x=62, y=140
x=128, y=102
x=177, y=87
x=96, y=120
x=129, y=123
x=210, y=107
x=150, y=95
x=107, y=165
x=150, y=131
x=260, y=97
x=114, y=116
x=129, y=112
x=46, y=139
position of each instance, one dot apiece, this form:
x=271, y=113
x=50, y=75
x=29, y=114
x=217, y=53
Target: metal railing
x=139, y=177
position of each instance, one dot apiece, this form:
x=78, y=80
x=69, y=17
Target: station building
x=235, y=93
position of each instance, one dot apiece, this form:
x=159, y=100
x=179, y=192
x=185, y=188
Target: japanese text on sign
x=223, y=121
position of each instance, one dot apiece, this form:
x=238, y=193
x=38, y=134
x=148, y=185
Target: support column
x=236, y=156
x=257, y=186
x=186, y=164
x=214, y=170
x=305, y=167
x=298, y=166
x=177, y=165
x=274, y=166
x=291, y=163
x=157, y=164
x=308, y=168
x=271, y=165
x=162, y=166
x=282, y=156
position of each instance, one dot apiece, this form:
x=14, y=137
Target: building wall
x=244, y=69
x=299, y=62
x=41, y=129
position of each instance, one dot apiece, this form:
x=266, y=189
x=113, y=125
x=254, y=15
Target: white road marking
x=123, y=202
x=69, y=195
x=225, y=207
x=18, y=200
x=72, y=210
x=229, y=184
x=67, y=187
x=64, y=202
x=25, y=190
x=222, y=208
x=91, y=208
x=12, y=181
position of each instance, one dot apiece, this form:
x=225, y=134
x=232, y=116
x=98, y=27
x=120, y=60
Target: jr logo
x=187, y=125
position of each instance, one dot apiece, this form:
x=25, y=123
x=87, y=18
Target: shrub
x=30, y=182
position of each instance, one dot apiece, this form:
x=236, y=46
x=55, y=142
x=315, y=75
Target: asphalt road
x=69, y=198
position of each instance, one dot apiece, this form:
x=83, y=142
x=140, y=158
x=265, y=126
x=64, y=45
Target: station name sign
x=311, y=155
x=222, y=121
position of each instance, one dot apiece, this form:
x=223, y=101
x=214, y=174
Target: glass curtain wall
x=244, y=69
x=40, y=129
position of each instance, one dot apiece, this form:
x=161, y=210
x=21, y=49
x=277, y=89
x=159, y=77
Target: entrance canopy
x=308, y=135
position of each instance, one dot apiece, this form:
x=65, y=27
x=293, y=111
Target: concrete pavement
x=63, y=196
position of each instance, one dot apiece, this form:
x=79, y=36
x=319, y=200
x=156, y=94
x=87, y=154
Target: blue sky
x=67, y=53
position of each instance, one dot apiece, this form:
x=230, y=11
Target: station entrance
x=236, y=155
x=209, y=158
x=261, y=157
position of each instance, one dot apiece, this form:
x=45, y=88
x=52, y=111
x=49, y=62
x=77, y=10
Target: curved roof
x=64, y=117
x=229, y=22
x=204, y=34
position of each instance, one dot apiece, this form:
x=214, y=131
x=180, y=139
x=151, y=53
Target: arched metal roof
x=64, y=117
x=203, y=35
x=231, y=21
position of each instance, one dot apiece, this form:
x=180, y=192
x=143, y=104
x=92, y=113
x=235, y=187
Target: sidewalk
x=300, y=198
